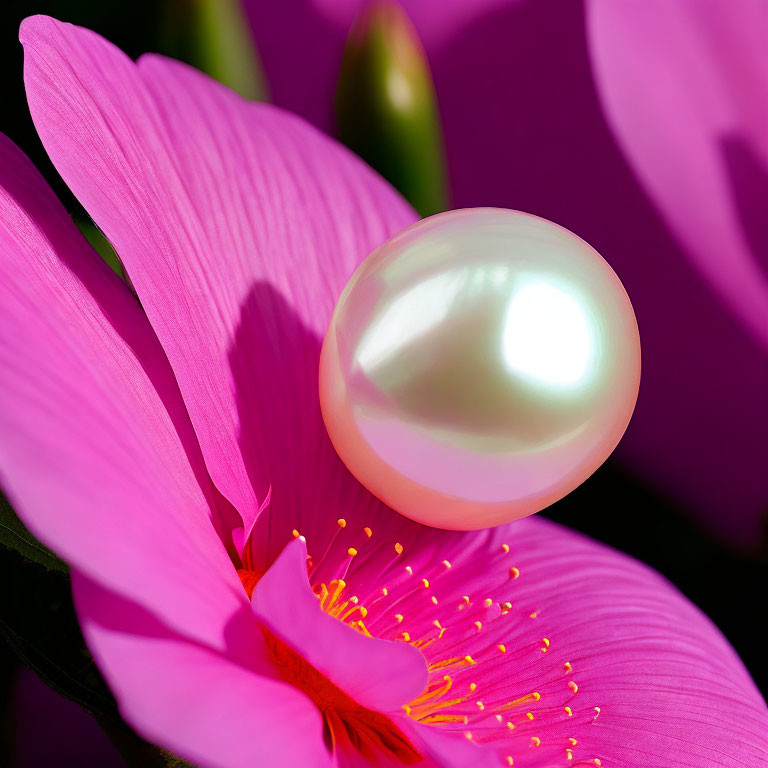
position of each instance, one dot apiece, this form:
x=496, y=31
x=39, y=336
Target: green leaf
x=214, y=36
x=386, y=107
x=14, y=535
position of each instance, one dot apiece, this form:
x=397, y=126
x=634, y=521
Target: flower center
x=493, y=675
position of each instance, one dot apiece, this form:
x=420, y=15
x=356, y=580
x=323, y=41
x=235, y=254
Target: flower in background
x=247, y=600
x=639, y=125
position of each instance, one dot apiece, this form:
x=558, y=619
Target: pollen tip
x=341, y=522
x=409, y=570
x=510, y=725
x=352, y=552
x=569, y=711
x=510, y=761
x=569, y=753
x=505, y=548
x=506, y=607
x=479, y=625
x=434, y=600
x=367, y=531
x=568, y=667
x=573, y=687
x=502, y=647
x=398, y=617
x=384, y=591
x=425, y=582
x=446, y=564
x=535, y=741
x=406, y=637
x=529, y=715
x=295, y=534
x=487, y=602
x=472, y=686
x=514, y=572
x=398, y=548
x=573, y=741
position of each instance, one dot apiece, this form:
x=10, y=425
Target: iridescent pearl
x=478, y=367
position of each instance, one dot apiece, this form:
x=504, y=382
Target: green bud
x=214, y=36
x=101, y=245
x=386, y=107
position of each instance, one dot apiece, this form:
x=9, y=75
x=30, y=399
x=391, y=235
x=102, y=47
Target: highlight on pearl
x=478, y=367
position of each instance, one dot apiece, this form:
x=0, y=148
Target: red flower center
x=348, y=726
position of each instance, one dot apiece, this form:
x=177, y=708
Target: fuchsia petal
x=221, y=211
x=587, y=628
x=378, y=674
x=192, y=700
x=446, y=749
x=95, y=445
x=566, y=610
x=685, y=87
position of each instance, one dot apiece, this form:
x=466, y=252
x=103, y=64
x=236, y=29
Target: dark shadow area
x=274, y=361
x=38, y=623
x=749, y=190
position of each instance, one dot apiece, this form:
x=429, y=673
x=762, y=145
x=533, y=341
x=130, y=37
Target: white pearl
x=478, y=367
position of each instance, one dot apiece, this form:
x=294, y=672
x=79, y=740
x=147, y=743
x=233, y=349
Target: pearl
x=479, y=366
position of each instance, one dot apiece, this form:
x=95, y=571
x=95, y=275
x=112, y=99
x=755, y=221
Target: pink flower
x=174, y=454
x=639, y=125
